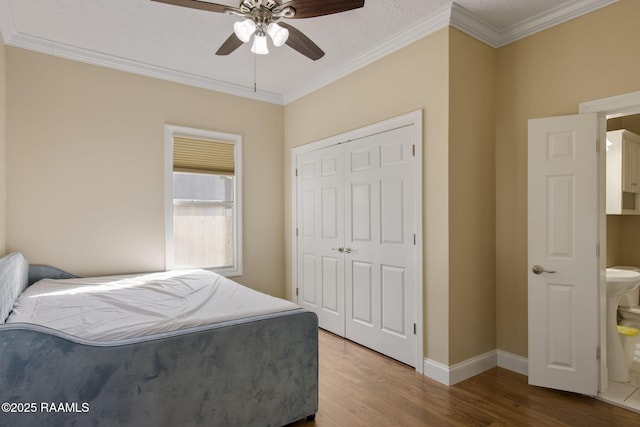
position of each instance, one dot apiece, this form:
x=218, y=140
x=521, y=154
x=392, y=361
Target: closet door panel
x=379, y=234
x=362, y=309
x=320, y=211
x=331, y=285
x=393, y=300
x=392, y=215
x=361, y=212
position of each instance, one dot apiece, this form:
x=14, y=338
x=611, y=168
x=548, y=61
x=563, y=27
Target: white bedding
x=119, y=307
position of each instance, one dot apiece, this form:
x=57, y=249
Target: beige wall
x=548, y=74
x=3, y=127
x=631, y=123
x=472, y=286
x=614, y=240
x=630, y=242
x=85, y=174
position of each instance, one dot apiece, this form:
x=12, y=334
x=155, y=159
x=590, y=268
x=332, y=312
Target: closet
x=356, y=222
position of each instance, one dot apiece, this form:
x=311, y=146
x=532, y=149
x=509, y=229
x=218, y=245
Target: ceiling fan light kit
x=244, y=29
x=278, y=34
x=247, y=28
x=260, y=45
x=261, y=18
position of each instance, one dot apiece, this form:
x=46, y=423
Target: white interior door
x=379, y=243
x=563, y=241
x=320, y=211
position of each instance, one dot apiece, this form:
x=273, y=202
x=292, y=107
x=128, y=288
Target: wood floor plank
x=359, y=387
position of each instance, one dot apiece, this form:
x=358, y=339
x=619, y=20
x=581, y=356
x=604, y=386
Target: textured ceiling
x=179, y=43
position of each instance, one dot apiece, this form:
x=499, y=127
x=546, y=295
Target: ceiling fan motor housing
x=265, y=12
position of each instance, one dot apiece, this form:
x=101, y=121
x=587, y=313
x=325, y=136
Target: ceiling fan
x=262, y=18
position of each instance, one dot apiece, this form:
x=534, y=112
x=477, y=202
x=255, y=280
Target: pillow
x=14, y=275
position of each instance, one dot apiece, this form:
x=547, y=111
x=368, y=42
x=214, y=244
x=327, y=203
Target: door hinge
x=597, y=146
x=597, y=249
x=414, y=329
x=296, y=291
x=296, y=171
x=414, y=239
x=413, y=150
x=296, y=231
x=597, y=353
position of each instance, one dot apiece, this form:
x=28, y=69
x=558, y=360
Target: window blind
x=202, y=156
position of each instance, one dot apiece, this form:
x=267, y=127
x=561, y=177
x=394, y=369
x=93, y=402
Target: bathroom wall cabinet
x=623, y=173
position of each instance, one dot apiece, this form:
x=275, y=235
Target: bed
x=255, y=368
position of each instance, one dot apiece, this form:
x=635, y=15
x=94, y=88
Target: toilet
x=629, y=306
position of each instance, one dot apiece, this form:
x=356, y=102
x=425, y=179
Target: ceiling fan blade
x=303, y=44
x=229, y=45
x=311, y=8
x=201, y=5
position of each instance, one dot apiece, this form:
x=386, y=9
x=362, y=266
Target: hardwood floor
x=359, y=387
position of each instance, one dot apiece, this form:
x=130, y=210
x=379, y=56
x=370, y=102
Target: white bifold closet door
x=320, y=211
x=356, y=254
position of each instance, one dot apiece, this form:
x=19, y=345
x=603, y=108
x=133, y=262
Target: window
x=203, y=206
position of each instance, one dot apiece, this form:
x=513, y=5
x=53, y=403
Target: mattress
x=112, y=308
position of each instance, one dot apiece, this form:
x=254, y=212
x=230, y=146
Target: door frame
x=414, y=118
x=611, y=107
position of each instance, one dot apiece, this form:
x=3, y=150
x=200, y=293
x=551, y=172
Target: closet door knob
x=340, y=249
x=347, y=250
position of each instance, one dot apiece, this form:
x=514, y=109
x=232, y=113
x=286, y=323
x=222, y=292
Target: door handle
x=341, y=250
x=538, y=269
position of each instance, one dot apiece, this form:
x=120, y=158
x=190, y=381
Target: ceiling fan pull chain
x=255, y=84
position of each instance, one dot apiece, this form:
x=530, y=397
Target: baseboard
x=450, y=375
x=513, y=362
x=436, y=371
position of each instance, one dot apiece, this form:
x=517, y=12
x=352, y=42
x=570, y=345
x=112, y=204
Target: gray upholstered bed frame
x=258, y=371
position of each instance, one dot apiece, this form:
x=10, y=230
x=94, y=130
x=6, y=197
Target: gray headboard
x=39, y=272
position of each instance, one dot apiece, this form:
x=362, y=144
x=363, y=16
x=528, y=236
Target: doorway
x=605, y=109
x=608, y=109
x=623, y=245
x=357, y=235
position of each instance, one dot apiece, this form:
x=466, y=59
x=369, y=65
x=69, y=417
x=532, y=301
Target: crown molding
x=555, y=16
x=453, y=15
x=465, y=21
x=468, y=23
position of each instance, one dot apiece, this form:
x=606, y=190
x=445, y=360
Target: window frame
x=171, y=131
